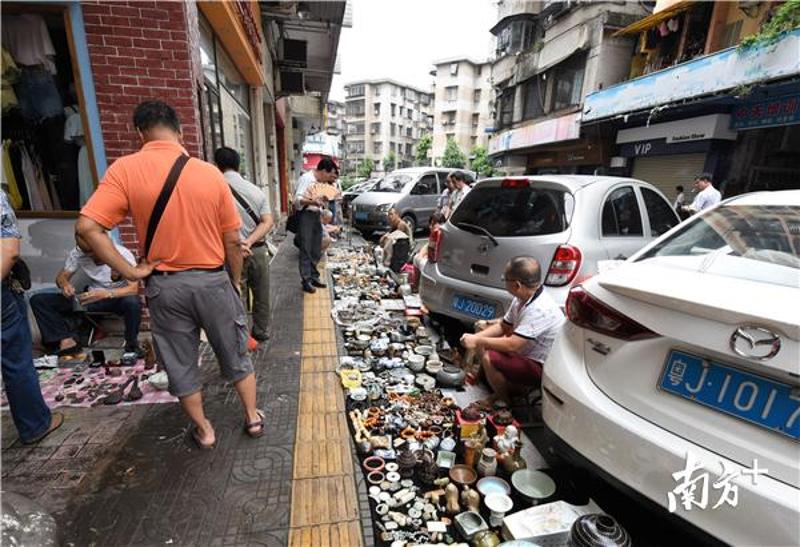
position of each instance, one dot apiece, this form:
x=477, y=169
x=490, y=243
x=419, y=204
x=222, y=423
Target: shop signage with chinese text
x=558, y=129
x=778, y=111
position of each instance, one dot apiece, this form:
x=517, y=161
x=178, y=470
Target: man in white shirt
x=254, y=210
x=460, y=189
x=517, y=347
x=106, y=291
x=707, y=196
x=309, y=234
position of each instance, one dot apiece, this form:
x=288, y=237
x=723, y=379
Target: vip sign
x=642, y=149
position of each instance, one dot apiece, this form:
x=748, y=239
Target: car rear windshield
x=392, y=183
x=755, y=242
x=508, y=212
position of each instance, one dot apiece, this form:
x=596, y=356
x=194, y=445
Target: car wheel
x=408, y=219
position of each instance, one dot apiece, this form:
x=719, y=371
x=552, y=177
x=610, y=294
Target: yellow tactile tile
x=343, y=534
x=322, y=459
x=318, y=364
x=319, y=336
x=323, y=500
x=322, y=427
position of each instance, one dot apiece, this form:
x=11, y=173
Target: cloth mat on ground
x=52, y=383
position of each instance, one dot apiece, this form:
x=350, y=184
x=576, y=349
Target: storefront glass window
x=226, y=117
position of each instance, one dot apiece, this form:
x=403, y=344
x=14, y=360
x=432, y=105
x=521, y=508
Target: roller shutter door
x=667, y=172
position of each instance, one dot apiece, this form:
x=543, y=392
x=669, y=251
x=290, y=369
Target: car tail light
x=564, y=266
x=589, y=313
x=514, y=183
x=434, y=245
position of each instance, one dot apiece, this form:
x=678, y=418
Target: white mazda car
x=678, y=374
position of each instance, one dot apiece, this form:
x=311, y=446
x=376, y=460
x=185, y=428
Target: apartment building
x=384, y=119
x=549, y=56
x=462, y=106
x=334, y=118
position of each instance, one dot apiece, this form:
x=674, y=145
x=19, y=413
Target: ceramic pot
x=598, y=531
x=416, y=362
x=433, y=367
x=450, y=376
x=487, y=466
x=447, y=444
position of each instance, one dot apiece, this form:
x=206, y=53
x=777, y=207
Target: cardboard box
x=547, y=525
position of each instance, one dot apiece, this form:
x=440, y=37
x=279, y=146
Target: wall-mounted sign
x=702, y=76
x=712, y=126
x=778, y=111
x=558, y=129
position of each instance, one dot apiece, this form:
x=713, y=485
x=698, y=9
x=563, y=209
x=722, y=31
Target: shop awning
x=652, y=20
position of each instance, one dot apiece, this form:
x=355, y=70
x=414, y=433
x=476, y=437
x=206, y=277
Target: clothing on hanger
x=28, y=41
x=9, y=179
x=8, y=99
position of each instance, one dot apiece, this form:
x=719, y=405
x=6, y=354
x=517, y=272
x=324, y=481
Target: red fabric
x=515, y=368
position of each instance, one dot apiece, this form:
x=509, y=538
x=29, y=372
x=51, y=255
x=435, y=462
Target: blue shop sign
x=778, y=111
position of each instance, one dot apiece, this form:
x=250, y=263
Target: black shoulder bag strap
x=245, y=205
x=163, y=199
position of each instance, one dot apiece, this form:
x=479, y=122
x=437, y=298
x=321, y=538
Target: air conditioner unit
x=295, y=53
x=292, y=82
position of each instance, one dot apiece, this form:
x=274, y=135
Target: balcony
x=700, y=77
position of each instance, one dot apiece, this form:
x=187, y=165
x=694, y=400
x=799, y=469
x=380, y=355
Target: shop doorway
x=47, y=156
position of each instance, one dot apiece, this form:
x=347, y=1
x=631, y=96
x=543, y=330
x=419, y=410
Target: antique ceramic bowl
x=463, y=474
x=493, y=485
x=533, y=485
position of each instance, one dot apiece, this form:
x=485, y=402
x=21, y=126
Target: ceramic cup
x=499, y=505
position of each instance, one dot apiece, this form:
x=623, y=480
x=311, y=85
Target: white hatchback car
x=690, y=351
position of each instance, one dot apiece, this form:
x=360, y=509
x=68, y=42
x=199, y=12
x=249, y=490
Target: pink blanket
x=53, y=383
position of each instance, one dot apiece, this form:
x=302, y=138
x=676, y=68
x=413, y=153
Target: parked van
x=414, y=192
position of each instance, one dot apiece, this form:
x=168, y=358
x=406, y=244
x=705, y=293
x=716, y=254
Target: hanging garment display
x=28, y=41
x=38, y=95
x=8, y=99
x=9, y=179
x=73, y=132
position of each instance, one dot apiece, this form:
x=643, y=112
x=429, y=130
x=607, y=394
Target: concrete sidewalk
x=131, y=475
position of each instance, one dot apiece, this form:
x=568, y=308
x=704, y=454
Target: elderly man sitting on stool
x=107, y=292
x=517, y=347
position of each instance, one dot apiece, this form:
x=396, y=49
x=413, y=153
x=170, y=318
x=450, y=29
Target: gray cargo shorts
x=182, y=304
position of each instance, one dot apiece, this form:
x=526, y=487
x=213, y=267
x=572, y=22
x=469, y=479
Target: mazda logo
x=755, y=343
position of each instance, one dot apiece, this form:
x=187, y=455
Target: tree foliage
x=365, y=168
x=423, y=147
x=453, y=156
x=390, y=161
x=785, y=18
x=480, y=162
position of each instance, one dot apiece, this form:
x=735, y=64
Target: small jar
x=487, y=466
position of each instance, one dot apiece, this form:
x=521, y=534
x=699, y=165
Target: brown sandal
x=248, y=426
x=200, y=444
x=56, y=421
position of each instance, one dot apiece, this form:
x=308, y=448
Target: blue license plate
x=362, y=215
x=761, y=401
x=473, y=308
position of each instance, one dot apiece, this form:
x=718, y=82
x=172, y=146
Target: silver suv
x=414, y=192
x=567, y=222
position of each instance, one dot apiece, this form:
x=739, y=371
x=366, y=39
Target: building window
x=355, y=128
x=355, y=147
x=402, y=109
x=409, y=131
x=516, y=36
x=375, y=128
x=425, y=99
x=476, y=96
x=409, y=113
x=567, y=83
x=355, y=91
x=450, y=93
x=449, y=119
x=355, y=108
x=453, y=69
x=376, y=90
x=392, y=129
x=408, y=149
x=475, y=121
x=533, y=100
x=730, y=36
x=394, y=109
x=376, y=109
x=506, y=110
x=377, y=147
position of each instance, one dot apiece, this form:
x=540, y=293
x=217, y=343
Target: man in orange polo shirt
x=187, y=286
